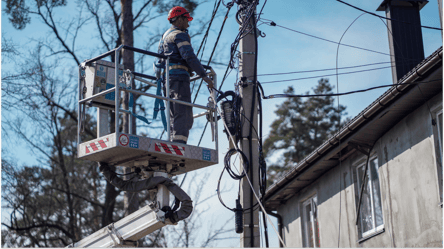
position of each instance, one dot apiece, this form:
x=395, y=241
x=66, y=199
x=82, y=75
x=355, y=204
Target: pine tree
x=302, y=125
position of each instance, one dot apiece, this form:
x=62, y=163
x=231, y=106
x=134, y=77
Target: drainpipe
x=280, y=225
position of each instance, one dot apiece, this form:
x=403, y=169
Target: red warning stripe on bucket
x=170, y=149
x=101, y=144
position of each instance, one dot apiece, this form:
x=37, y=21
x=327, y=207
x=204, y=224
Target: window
x=438, y=132
x=370, y=214
x=310, y=225
x=439, y=128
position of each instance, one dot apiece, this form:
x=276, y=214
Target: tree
x=302, y=126
x=53, y=203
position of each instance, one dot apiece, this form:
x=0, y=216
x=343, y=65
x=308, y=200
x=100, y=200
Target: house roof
x=413, y=90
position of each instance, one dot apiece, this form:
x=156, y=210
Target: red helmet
x=179, y=11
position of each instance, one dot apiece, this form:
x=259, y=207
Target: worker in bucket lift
x=175, y=42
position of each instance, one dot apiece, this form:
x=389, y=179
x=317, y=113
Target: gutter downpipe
x=280, y=225
x=413, y=75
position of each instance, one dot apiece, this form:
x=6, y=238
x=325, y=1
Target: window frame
x=436, y=111
x=375, y=229
x=312, y=202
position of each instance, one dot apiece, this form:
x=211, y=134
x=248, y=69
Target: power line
x=214, y=49
x=326, y=69
x=373, y=14
x=339, y=125
x=345, y=93
x=321, y=76
x=205, y=39
x=327, y=40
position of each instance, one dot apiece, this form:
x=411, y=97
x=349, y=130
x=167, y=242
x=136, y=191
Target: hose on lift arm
x=135, y=186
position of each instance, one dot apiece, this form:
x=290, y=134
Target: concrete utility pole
x=250, y=237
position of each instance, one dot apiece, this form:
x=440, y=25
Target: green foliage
x=302, y=125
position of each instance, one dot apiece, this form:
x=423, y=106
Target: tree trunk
x=131, y=200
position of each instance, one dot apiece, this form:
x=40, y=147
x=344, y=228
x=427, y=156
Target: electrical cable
x=204, y=40
x=214, y=49
x=248, y=179
x=215, y=8
x=373, y=14
x=326, y=69
x=322, y=76
x=250, y=135
x=345, y=93
x=260, y=13
x=339, y=126
x=320, y=38
x=263, y=210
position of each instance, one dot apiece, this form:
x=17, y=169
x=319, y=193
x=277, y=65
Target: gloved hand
x=157, y=66
x=209, y=82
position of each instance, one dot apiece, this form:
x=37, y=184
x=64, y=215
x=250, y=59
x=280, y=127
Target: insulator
x=239, y=218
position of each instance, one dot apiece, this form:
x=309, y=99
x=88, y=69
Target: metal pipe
x=125, y=47
x=144, y=51
x=215, y=112
x=168, y=99
x=79, y=117
x=102, y=106
x=97, y=95
x=130, y=119
x=144, y=75
x=280, y=226
x=201, y=114
x=167, y=89
x=99, y=57
x=145, y=81
x=117, y=97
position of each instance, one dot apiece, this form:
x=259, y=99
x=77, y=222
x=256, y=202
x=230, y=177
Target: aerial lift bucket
x=100, y=86
x=97, y=88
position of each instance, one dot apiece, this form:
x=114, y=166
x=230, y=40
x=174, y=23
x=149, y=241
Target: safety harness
x=160, y=103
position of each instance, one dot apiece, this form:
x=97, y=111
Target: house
x=394, y=147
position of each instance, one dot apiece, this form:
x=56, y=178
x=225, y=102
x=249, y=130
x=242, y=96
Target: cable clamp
x=246, y=138
x=248, y=52
x=249, y=225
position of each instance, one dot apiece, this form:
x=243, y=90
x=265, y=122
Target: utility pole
x=249, y=137
x=130, y=200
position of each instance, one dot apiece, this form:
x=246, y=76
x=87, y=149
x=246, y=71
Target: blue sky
x=280, y=51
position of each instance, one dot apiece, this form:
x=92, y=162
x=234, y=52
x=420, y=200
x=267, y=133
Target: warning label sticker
x=133, y=142
x=123, y=139
x=206, y=155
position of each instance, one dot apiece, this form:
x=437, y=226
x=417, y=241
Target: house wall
x=411, y=206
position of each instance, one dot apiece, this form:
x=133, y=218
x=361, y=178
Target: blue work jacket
x=177, y=44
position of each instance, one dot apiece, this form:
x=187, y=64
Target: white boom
x=127, y=231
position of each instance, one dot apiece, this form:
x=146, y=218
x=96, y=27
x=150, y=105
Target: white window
x=310, y=225
x=370, y=215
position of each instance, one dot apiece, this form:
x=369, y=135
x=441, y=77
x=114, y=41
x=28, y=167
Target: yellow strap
x=179, y=67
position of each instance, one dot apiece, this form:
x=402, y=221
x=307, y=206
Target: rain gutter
x=356, y=122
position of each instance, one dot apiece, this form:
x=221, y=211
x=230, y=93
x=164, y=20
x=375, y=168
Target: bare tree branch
x=40, y=225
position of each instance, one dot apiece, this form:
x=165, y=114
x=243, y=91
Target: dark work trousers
x=181, y=115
